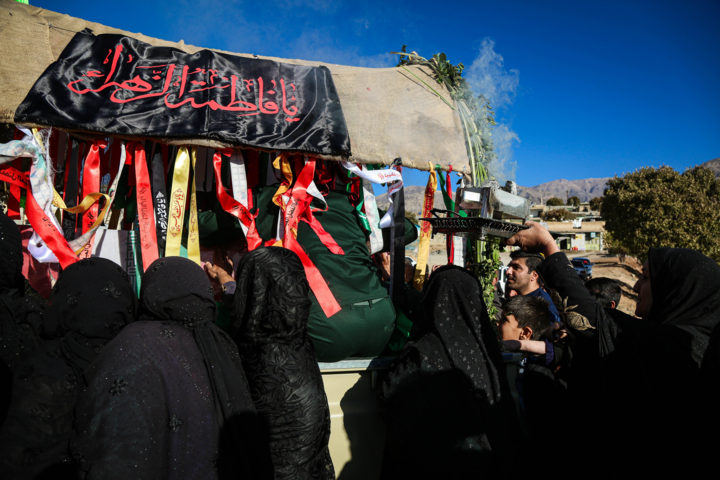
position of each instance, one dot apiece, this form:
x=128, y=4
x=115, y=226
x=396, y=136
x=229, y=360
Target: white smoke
x=488, y=77
x=503, y=166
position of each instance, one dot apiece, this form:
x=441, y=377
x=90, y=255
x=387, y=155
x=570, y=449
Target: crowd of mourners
x=100, y=384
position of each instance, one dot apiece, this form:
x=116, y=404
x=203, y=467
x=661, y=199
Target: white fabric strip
x=42, y=189
x=386, y=221
x=239, y=181
x=374, y=176
x=373, y=216
x=313, y=190
x=379, y=176
x=459, y=244
x=112, y=245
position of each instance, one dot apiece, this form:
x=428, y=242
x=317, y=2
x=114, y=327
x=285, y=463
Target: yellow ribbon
x=178, y=196
x=193, y=247
x=425, y=231
x=282, y=163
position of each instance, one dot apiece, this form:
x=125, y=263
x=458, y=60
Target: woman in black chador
x=90, y=304
x=446, y=400
x=167, y=399
x=19, y=313
x=636, y=394
x=269, y=324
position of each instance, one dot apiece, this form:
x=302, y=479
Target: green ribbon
x=449, y=203
x=358, y=209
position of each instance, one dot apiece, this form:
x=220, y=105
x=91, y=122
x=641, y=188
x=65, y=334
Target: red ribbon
x=38, y=219
x=294, y=210
x=91, y=182
x=232, y=206
x=145, y=205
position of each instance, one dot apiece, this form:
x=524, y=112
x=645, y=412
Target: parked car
x=583, y=267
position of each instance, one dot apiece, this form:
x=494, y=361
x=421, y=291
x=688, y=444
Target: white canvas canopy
x=388, y=112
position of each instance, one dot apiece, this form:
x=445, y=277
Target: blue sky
x=581, y=89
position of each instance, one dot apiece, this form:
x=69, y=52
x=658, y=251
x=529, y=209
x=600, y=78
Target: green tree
x=596, y=203
x=574, y=201
x=557, y=215
x=660, y=207
x=412, y=217
x=554, y=202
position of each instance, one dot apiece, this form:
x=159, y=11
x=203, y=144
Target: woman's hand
x=217, y=274
x=535, y=238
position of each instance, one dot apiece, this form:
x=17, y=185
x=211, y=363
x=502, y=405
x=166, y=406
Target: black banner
x=120, y=86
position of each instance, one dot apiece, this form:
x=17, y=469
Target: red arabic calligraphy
x=180, y=82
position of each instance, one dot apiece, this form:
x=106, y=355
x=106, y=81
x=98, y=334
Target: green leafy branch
x=475, y=113
x=477, y=119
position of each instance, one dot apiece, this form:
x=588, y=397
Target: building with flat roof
x=579, y=235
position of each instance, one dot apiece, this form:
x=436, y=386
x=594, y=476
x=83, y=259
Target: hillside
x=584, y=189
x=414, y=196
x=713, y=165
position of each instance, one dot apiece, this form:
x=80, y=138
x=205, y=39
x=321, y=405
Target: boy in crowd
x=526, y=326
x=607, y=291
x=523, y=278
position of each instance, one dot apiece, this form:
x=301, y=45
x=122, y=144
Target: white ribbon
x=386, y=221
x=459, y=245
x=313, y=190
x=374, y=176
x=380, y=176
x=371, y=211
x=41, y=183
x=239, y=181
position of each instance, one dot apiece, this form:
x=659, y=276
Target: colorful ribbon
x=38, y=219
x=193, y=243
x=297, y=205
x=232, y=206
x=455, y=245
x=425, y=231
x=239, y=181
x=178, y=199
x=146, y=214
x=91, y=181
x=159, y=166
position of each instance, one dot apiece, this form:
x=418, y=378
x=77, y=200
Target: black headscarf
x=90, y=303
x=269, y=323
x=639, y=395
x=11, y=259
x=271, y=300
x=446, y=400
x=176, y=289
x=685, y=288
x=685, y=308
x=17, y=337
